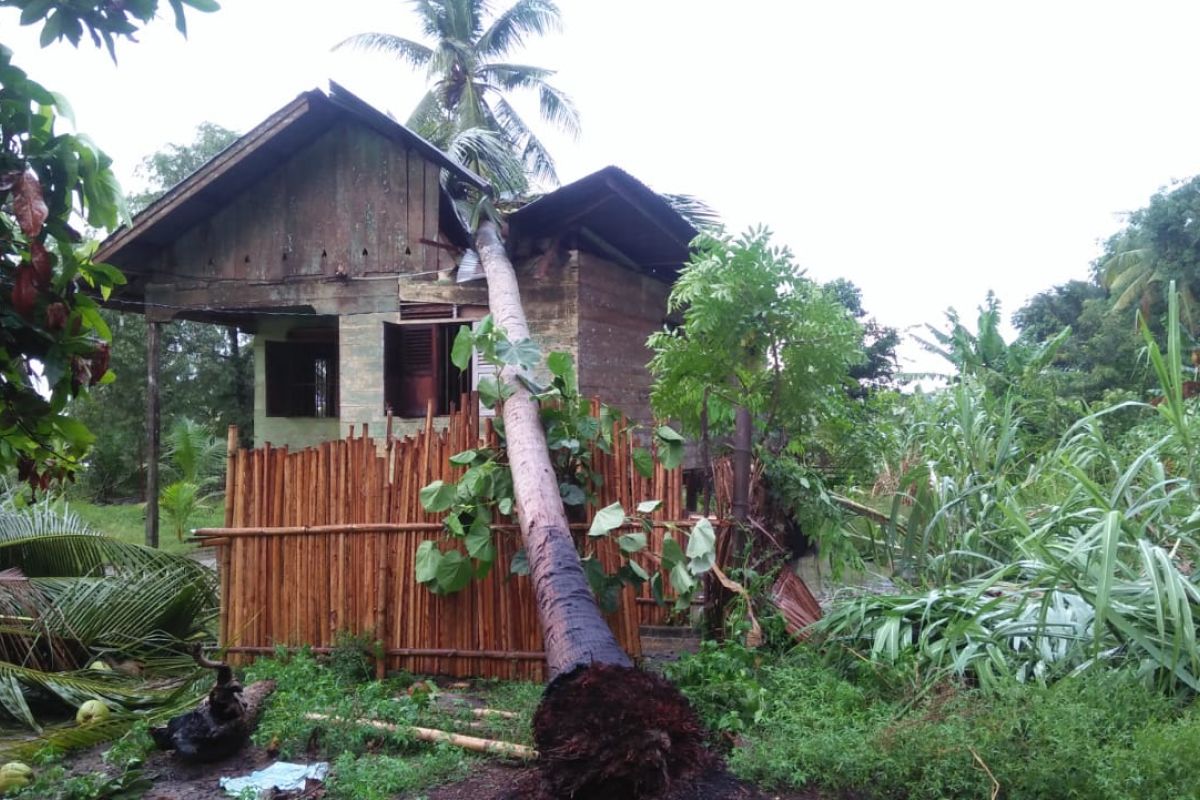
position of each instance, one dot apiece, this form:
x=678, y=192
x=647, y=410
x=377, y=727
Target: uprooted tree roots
x=606, y=731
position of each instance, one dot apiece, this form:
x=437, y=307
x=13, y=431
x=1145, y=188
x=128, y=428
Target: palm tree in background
x=466, y=110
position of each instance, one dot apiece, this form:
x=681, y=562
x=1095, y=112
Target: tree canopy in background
x=1105, y=354
x=169, y=166
x=53, y=340
x=467, y=110
x=206, y=371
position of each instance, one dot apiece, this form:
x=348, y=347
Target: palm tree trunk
x=574, y=632
x=603, y=729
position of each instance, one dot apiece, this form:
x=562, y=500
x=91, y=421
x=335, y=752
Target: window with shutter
x=417, y=369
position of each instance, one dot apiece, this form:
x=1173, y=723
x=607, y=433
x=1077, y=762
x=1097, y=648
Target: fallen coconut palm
x=603, y=729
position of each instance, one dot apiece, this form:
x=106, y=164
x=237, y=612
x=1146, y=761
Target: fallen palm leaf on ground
x=70, y=599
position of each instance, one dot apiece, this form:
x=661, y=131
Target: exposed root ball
x=613, y=732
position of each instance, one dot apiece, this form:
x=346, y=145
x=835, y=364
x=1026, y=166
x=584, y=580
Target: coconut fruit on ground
x=91, y=711
x=15, y=775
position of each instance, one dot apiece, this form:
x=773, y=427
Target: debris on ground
x=282, y=776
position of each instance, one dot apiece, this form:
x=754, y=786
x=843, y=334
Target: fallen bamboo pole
x=473, y=743
x=494, y=712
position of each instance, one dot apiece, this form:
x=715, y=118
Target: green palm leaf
x=67, y=594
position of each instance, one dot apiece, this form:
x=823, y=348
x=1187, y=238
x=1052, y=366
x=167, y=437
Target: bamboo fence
x=323, y=541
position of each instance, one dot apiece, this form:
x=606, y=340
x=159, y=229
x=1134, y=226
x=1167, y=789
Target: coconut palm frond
x=514, y=76
x=558, y=109
x=186, y=693
x=37, y=519
x=700, y=214
x=510, y=29
x=117, y=691
x=67, y=594
x=415, y=53
x=430, y=122
x=537, y=159
x=176, y=600
x=489, y=155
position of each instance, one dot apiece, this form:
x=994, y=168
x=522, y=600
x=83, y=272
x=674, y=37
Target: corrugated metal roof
x=617, y=216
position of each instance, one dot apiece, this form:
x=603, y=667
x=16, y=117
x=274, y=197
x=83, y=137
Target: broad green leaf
x=438, y=496
x=638, y=570
x=702, y=547
x=681, y=580
x=464, y=458
x=479, y=540
x=453, y=572
x=571, y=494
x=669, y=434
x=672, y=553
x=607, y=519
x=428, y=558
x=505, y=506
x=489, y=391
x=520, y=563
x=670, y=447
x=561, y=366
x=464, y=346
x=523, y=354
x=643, y=462
x=649, y=506
x=632, y=542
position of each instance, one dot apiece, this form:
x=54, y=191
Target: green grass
x=883, y=735
x=367, y=762
x=127, y=522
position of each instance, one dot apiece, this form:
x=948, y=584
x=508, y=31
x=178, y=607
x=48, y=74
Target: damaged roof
x=615, y=215
x=252, y=156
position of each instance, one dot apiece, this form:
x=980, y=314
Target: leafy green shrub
x=722, y=684
x=887, y=734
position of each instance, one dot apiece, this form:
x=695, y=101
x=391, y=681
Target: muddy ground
x=489, y=781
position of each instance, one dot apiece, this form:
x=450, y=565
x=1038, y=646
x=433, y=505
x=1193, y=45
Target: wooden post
x=742, y=434
x=154, y=328
x=231, y=448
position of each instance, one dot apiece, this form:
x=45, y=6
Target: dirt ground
x=489, y=781
x=501, y=782
x=174, y=780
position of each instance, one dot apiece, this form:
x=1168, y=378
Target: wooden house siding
x=618, y=310
x=351, y=202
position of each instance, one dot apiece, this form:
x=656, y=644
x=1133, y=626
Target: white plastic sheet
x=281, y=775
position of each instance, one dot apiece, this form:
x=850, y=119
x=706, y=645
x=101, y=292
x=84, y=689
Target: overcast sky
x=928, y=151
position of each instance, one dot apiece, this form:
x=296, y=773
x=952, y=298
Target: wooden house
x=326, y=234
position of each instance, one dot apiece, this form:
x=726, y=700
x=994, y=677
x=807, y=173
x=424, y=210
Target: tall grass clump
x=1034, y=563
